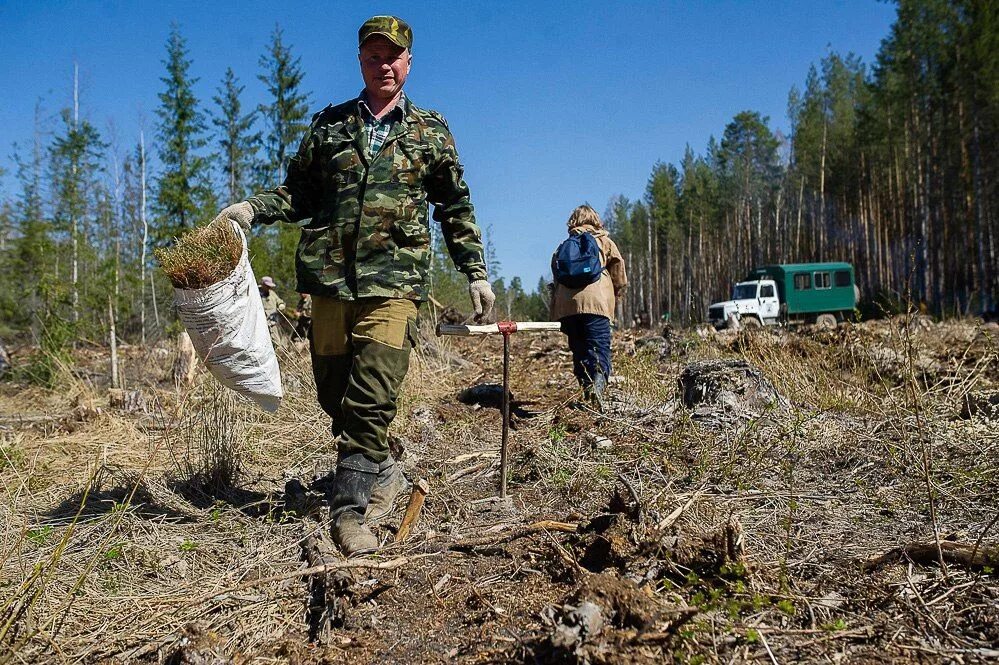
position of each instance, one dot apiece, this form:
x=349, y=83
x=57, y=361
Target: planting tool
x=505, y=328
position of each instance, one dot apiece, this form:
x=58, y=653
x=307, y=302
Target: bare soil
x=744, y=496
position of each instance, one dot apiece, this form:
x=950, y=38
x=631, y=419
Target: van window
x=842, y=277
x=823, y=280
x=802, y=281
x=767, y=291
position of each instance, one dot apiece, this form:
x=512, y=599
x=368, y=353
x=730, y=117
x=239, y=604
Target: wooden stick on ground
x=420, y=491
x=668, y=521
x=961, y=554
x=513, y=534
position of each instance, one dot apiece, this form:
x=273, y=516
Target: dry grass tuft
x=202, y=257
x=212, y=443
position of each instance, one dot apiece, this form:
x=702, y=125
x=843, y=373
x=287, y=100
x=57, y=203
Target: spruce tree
x=237, y=142
x=183, y=194
x=285, y=119
x=286, y=115
x=31, y=251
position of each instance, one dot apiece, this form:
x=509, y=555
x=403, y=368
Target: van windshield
x=744, y=292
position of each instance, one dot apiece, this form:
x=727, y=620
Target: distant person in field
x=589, y=277
x=362, y=183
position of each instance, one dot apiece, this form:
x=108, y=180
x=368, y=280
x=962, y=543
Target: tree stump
x=653, y=344
x=186, y=363
x=727, y=387
x=4, y=360
x=981, y=403
x=129, y=401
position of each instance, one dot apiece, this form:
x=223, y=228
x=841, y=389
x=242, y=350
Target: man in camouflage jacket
x=359, y=187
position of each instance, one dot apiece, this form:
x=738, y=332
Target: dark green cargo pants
x=360, y=355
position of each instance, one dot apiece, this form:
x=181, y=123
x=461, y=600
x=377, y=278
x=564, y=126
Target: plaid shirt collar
x=378, y=129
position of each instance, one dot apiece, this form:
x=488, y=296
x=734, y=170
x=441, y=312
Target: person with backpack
x=589, y=277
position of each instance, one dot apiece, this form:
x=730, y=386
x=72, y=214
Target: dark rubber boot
x=351, y=491
x=387, y=487
x=597, y=390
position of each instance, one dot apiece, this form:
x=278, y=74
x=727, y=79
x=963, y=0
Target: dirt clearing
x=764, y=496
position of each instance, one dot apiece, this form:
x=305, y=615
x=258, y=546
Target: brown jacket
x=598, y=297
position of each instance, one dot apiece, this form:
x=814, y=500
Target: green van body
x=811, y=288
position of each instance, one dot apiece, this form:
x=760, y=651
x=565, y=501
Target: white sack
x=229, y=332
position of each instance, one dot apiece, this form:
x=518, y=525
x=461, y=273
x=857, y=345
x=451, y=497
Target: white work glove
x=482, y=298
x=241, y=213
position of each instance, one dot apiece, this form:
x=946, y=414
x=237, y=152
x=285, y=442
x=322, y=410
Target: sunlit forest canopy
x=890, y=165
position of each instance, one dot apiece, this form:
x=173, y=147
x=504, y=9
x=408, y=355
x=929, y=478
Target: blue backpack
x=577, y=261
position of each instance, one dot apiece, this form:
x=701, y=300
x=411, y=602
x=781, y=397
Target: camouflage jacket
x=365, y=227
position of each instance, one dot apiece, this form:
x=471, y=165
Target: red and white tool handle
x=502, y=327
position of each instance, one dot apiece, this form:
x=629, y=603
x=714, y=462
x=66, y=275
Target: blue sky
x=552, y=104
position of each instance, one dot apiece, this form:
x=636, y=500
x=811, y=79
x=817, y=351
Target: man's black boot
x=349, y=496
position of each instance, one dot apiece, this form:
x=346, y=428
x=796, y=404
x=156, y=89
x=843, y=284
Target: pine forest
x=891, y=166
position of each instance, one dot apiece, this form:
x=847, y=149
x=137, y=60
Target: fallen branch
x=970, y=556
x=313, y=552
x=366, y=564
x=530, y=529
x=467, y=471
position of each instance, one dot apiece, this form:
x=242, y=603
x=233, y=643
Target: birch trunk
x=145, y=234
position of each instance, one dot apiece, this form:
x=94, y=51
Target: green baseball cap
x=392, y=28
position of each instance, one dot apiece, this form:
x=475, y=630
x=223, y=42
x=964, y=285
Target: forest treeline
x=77, y=235
x=891, y=167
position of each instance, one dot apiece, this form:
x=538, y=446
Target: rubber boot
x=349, y=496
x=597, y=390
x=585, y=396
x=389, y=483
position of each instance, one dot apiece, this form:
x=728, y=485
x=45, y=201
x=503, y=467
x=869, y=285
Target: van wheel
x=750, y=322
x=826, y=321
